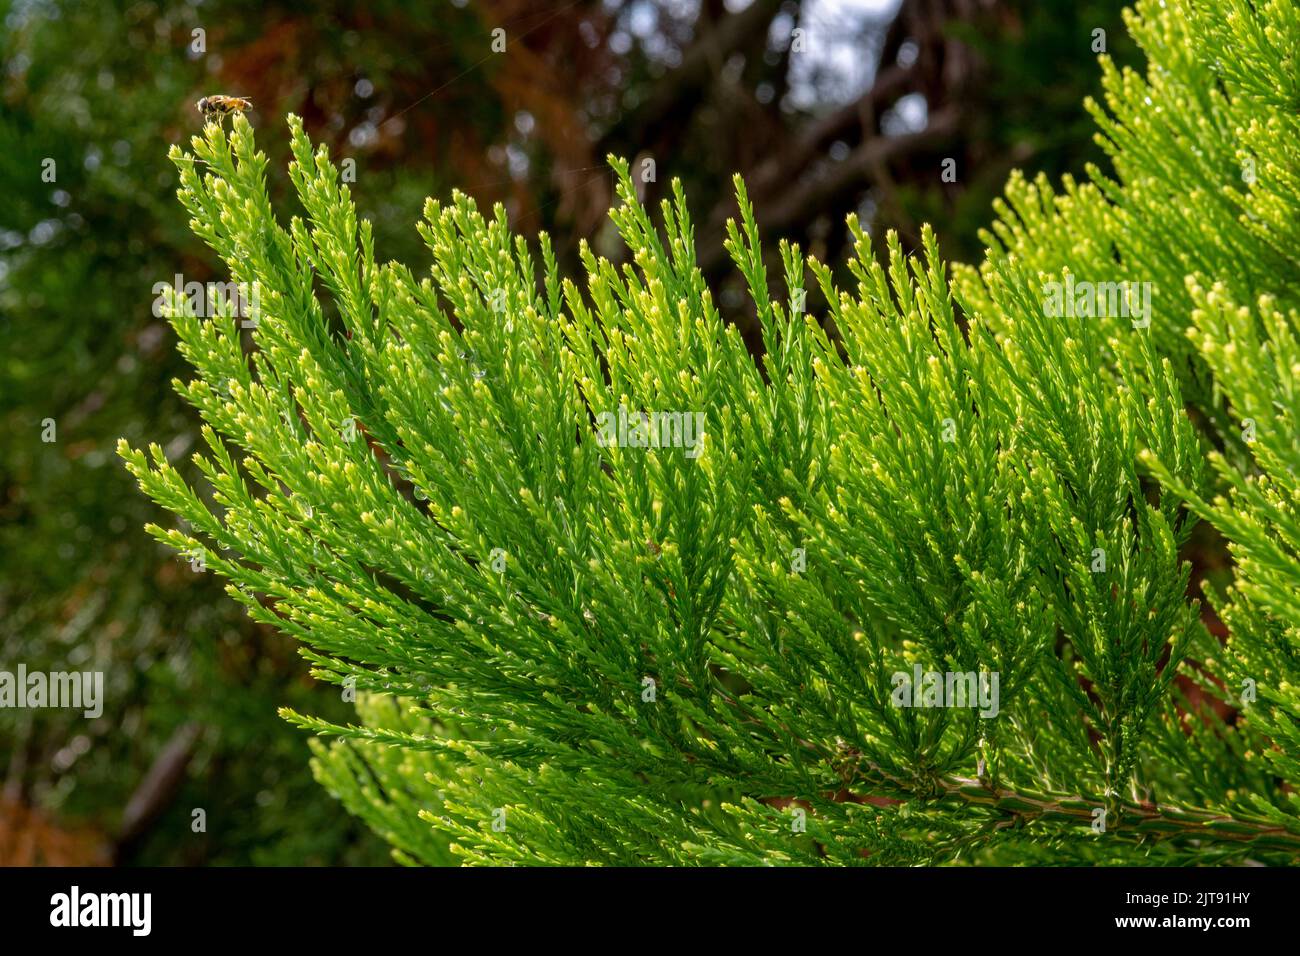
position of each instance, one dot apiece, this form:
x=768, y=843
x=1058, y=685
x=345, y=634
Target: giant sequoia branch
x=1143, y=820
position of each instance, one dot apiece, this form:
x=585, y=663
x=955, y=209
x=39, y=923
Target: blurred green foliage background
x=826, y=107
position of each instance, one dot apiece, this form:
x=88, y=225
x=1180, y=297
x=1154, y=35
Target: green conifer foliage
x=578, y=635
